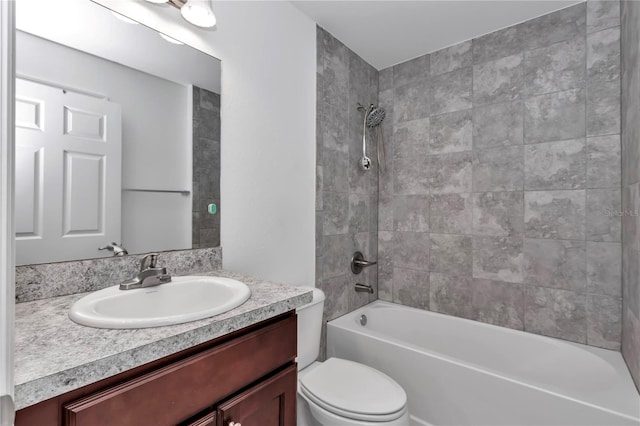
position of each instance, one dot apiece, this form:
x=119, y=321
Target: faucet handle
x=153, y=258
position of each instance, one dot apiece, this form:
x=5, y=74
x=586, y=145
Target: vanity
x=232, y=369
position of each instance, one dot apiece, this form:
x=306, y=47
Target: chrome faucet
x=148, y=276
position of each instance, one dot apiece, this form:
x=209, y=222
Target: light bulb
x=199, y=13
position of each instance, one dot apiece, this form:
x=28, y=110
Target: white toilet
x=338, y=392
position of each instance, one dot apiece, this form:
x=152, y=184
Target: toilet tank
x=309, y=328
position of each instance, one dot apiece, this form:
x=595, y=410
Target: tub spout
x=364, y=288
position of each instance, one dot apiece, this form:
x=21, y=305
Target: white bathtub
x=462, y=372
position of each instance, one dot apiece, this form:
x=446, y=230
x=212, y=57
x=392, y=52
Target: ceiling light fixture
x=197, y=12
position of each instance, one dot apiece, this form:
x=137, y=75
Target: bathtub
x=462, y=372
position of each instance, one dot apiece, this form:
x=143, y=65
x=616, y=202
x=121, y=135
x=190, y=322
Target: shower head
x=375, y=116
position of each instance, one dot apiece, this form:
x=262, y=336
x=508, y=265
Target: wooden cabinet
x=269, y=403
x=248, y=378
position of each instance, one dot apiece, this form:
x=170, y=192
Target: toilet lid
x=352, y=389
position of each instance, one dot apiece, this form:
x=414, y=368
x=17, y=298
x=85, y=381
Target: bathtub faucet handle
x=358, y=263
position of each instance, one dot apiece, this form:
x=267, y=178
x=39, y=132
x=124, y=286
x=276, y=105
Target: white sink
x=182, y=300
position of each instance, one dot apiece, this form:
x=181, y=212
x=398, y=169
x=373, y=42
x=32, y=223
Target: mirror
x=117, y=136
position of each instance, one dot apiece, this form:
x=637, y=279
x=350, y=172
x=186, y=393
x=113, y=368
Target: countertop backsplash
x=42, y=281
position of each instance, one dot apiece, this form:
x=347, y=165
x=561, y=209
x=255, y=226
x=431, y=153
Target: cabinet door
x=269, y=403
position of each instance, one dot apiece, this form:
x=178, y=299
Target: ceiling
x=385, y=33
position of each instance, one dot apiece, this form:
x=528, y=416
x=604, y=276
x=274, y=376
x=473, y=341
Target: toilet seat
x=354, y=391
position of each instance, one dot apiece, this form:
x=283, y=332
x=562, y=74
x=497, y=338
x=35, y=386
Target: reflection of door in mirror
x=68, y=172
x=169, y=179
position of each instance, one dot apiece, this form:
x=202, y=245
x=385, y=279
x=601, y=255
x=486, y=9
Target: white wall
x=156, y=137
x=268, y=54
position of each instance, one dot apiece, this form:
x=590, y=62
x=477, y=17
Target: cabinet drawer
x=178, y=391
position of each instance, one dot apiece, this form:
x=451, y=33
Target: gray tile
x=336, y=255
x=604, y=268
x=555, y=116
x=385, y=212
x=555, y=68
x=451, y=58
x=319, y=50
x=603, y=162
x=386, y=178
x=336, y=290
x=385, y=79
x=336, y=76
x=319, y=188
x=359, y=212
x=411, y=101
x=497, y=44
x=555, y=165
x=451, y=132
x=498, y=169
x=411, y=288
x=556, y=313
x=555, y=214
x=603, y=108
x=319, y=232
x=410, y=138
x=450, y=213
x=603, y=215
x=498, y=303
x=450, y=294
x=498, y=125
x=373, y=211
x=411, y=213
x=411, y=250
x=631, y=343
x=498, y=213
x=630, y=96
x=631, y=247
x=411, y=71
x=602, y=14
x=554, y=27
x=411, y=175
x=604, y=321
x=450, y=173
x=498, y=258
x=498, y=81
x=451, y=254
x=336, y=213
x=385, y=265
x=451, y=91
x=335, y=169
x=603, y=56
x=555, y=264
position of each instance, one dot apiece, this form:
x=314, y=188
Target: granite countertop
x=54, y=355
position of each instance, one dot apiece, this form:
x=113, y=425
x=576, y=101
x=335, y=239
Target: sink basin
x=182, y=300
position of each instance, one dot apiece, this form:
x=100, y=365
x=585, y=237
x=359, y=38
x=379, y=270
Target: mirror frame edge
x=7, y=226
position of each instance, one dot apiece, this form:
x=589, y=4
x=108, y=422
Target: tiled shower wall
x=346, y=204
x=631, y=186
x=206, y=168
x=501, y=203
